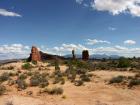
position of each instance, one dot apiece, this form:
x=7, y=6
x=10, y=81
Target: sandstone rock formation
x=40, y=56
x=35, y=54
x=85, y=55
x=73, y=54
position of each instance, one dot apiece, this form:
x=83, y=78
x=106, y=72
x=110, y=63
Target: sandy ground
x=96, y=92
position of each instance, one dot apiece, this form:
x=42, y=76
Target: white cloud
x=79, y=1
x=130, y=42
x=4, y=12
x=95, y=41
x=85, y=5
x=115, y=7
x=14, y=51
x=67, y=48
x=117, y=50
x=112, y=28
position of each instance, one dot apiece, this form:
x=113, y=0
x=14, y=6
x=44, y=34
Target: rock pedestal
x=35, y=54
x=85, y=55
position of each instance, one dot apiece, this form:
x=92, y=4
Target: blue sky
x=58, y=26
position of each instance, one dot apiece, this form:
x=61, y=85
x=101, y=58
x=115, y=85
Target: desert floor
x=96, y=92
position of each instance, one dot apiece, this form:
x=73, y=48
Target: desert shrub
x=44, y=74
x=34, y=62
x=137, y=75
x=62, y=81
x=81, y=64
x=4, y=77
x=54, y=90
x=9, y=103
x=134, y=82
x=56, y=80
x=43, y=82
x=29, y=93
x=103, y=66
x=35, y=79
x=2, y=89
x=21, y=84
x=64, y=96
x=57, y=65
x=78, y=83
x=59, y=80
x=10, y=67
x=117, y=79
x=57, y=73
x=124, y=63
x=22, y=76
x=29, y=73
x=39, y=80
x=81, y=71
x=12, y=74
x=26, y=66
x=71, y=73
x=85, y=78
x=11, y=82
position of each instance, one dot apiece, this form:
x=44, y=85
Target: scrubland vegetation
x=49, y=78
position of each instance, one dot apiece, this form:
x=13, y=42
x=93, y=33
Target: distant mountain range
x=96, y=56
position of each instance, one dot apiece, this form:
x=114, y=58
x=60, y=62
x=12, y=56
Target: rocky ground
x=96, y=92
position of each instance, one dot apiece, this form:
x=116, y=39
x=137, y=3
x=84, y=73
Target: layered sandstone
x=85, y=55
x=35, y=54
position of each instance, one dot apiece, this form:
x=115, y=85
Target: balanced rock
x=85, y=55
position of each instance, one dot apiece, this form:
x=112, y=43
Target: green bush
x=2, y=89
x=81, y=64
x=22, y=76
x=124, y=63
x=34, y=62
x=26, y=66
x=54, y=91
x=4, y=77
x=117, y=79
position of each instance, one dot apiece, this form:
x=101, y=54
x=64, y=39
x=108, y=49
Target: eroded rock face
x=40, y=56
x=85, y=55
x=35, y=54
